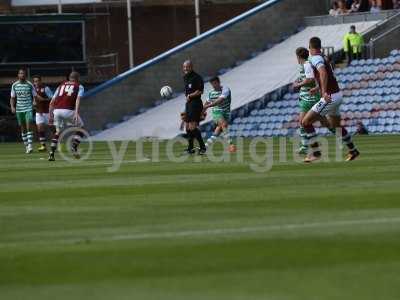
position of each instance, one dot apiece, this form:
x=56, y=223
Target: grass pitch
x=200, y=230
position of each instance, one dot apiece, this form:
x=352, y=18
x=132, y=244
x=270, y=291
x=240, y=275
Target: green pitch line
x=200, y=229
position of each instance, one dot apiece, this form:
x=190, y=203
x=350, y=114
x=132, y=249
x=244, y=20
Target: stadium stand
x=249, y=81
x=371, y=91
x=221, y=47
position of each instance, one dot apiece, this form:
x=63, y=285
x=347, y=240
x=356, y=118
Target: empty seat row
x=372, y=62
x=355, y=85
x=371, y=90
x=391, y=72
x=393, y=91
x=378, y=129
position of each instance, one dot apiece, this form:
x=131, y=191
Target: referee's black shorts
x=194, y=109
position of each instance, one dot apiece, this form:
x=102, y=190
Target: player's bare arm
x=12, y=104
x=315, y=90
x=214, y=103
x=76, y=114
x=324, y=83
x=53, y=101
x=299, y=84
x=194, y=95
x=51, y=107
x=40, y=98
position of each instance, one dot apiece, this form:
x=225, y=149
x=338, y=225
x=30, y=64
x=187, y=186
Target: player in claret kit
x=43, y=99
x=329, y=105
x=64, y=111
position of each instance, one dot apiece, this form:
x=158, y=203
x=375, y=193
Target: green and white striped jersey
x=306, y=71
x=225, y=93
x=23, y=92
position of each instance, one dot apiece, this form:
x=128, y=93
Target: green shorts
x=218, y=115
x=25, y=117
x=305, y=106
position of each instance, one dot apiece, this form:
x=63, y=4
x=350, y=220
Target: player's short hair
x=37, y=76
x=215, y=78
x=315, y=43
x=74, y=75
x=302, y=53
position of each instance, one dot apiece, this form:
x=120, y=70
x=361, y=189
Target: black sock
x=346, y=138
x=310, y=139
x=77, y=140
x=190, y=138
x=54, y=143
x=199, y=138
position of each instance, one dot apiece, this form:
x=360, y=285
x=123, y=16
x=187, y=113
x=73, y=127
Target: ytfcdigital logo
x=259, y=153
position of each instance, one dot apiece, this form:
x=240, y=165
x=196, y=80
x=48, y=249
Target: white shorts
x=42, y=118
x=332, y=108
x=64, y=118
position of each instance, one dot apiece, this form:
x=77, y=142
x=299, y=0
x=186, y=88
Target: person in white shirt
x=355, y=7
x=375, y=7
x=334, y=10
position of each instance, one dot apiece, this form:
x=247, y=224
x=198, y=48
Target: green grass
x=200, y=230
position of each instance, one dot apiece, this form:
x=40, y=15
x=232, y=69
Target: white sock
x=211, y=139
x=226, y=136
x=30, y=138
x=25, y=139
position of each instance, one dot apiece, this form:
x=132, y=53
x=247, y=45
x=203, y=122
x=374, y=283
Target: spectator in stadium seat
x=387, y=4
x=342, y=10
x=375, y=8
x=396, y=4
x=364, y=6
x=349, y=3
x=352, y=44
x=355, y=7
x=334, y=11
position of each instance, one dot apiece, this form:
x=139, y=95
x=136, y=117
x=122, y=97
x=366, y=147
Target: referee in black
x=194, y=87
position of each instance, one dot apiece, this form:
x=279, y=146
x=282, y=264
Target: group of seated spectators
x=345, y=7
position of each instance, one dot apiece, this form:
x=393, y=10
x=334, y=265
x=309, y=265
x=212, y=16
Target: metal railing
x=374, y=40
x=350, y=18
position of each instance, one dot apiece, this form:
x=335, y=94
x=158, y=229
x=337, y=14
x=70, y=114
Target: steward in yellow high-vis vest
x=352, y=44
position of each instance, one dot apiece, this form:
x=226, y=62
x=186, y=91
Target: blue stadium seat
x=369, y=61
x=259, y=132
x=381, y=128
x=369, y=86
x=387, y=91
x=379, y=91
x=377, y=61
x=254, y=113
x=395, y=86
x=362, y=62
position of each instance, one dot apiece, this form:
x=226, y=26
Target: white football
x=166, y=92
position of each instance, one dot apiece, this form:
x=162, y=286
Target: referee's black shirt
x=193, y=82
